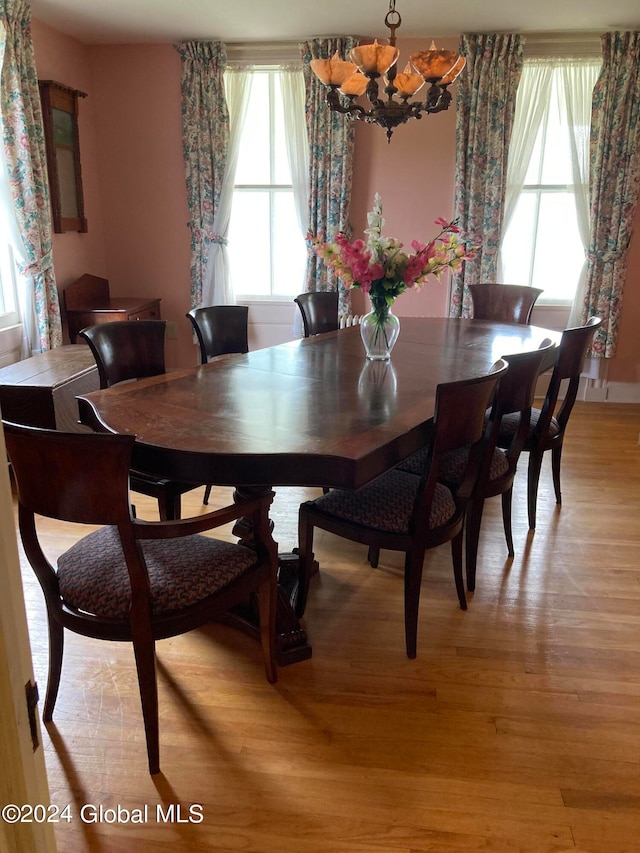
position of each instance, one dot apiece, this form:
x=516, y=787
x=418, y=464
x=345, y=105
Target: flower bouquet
x=380, y=267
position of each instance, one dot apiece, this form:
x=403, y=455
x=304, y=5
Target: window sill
x=10, y=344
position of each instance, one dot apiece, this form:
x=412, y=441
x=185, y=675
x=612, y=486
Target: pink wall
x=138, y=122
x=65, y=60
x=136, y=200
x=625, y=367
x=414, y=175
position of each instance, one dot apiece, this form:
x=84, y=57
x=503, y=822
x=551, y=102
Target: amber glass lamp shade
x=407, y=82
x=434, y=64
x=355, y=85
x=452, y=75
x=374, y=59
x=334, y=71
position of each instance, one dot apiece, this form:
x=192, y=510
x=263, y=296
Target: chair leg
x=507, y=498
x=305, y=557
x=145, y=653
x=207, y=495
x=169, y=506
x=373, y=556
x=456, y=557
x=533, y=478
x=556, y=457
x=473, y=521
x=412, y=582
x=56, y=649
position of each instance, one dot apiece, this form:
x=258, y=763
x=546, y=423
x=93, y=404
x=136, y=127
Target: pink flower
x=381, y=267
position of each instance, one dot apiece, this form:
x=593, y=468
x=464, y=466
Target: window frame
x=270, y=190
x=540, y=189
x=8, y=288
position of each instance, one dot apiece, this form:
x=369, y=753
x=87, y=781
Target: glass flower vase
x=379, y=330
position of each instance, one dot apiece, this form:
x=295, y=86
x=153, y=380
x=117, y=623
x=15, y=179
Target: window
x=8, y=305
x=547, y=222
x=267, y=252
x=9, y=274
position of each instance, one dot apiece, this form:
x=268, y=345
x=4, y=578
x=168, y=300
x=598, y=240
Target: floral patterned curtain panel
x=205, y=145
x=484, y=120
x=24, y=153
x=331, y=141
x=615, y=183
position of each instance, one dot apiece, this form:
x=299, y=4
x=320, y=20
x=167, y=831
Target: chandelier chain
x=392, y=20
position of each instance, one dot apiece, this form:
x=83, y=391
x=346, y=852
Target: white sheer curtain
x=532, y=96
x=578, y=82
x=216, y=288
x=293, y=98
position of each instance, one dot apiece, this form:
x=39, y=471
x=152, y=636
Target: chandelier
x=437, y=68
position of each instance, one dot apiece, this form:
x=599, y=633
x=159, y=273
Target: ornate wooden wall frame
x=60, y=118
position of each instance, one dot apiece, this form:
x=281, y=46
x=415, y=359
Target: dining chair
x=131, y=580
x=504, y=303
x=514, y=396
x=133, y=349
x=319, y=311
x=220, y=329
x=547, y=429
x=404, y=512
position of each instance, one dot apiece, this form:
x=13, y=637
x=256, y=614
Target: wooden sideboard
x=88, y=302
x=41, y=391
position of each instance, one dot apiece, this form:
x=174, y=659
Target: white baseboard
x=614, y=392
x=596, y=390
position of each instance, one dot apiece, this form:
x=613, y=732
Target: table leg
x=292, y=645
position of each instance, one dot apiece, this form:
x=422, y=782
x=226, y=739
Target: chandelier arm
x=372, y=93
x=336, y=105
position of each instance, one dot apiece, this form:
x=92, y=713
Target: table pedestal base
x=291, y=638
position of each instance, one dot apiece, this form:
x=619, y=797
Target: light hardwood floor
x=516, y=729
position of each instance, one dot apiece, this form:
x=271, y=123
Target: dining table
x=310, y=412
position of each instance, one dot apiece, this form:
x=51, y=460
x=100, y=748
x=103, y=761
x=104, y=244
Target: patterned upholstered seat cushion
x=93, y=576
x=415, y=464
x=387, y=503
x=453, y=466
x=510, y=423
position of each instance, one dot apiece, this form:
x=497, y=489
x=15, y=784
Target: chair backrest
x=517, y=388
x=220, y=329
x=127, y=349
x=504, y=303
x=459, y=423
x=515, y=395
x=572, y=352
x=78, y=477
x=319, y=312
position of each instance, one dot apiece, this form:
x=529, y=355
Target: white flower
x=376, y=223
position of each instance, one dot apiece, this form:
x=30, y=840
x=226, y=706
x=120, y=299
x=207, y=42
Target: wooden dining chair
x=404, y=512
x=514, y=397
x=133, y=349
x=319, y=312
x=547, y=428
x=131, y=580
x=504, y=303
x=220, y=329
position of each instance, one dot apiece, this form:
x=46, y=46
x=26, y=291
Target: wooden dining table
x=311, y=412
